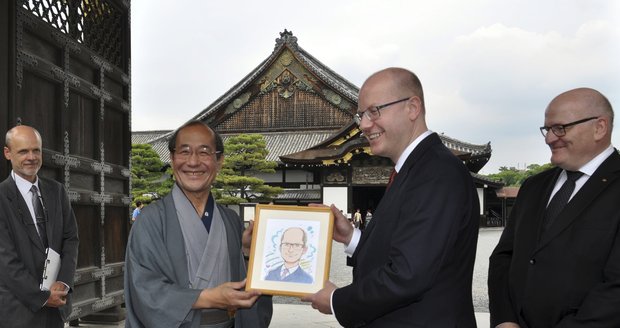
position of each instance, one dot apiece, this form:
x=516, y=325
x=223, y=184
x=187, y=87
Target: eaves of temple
x=305, y=112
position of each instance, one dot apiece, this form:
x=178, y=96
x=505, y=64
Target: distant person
x=185, y=262
x=136, y=211
x=557, y=263
x=35, y=214
x=413, y=265
x=368, y=217
x=293, y=246
x=357, y=219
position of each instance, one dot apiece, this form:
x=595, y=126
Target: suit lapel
x=399, y=179
x=21, y=209
x=413, y=159
x=604, y=176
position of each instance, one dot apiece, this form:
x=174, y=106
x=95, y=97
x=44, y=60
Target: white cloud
x=489, y=68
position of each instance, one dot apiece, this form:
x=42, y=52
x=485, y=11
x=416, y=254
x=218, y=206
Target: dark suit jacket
x=22, y=256
x=299, y=276
x=570, y=276
x=413, y=265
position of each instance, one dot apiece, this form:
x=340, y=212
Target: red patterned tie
x=392, y=176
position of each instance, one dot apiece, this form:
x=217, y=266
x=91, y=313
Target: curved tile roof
x=282, y=143
x=305, y=146
x=141, y=137
x=289, y=41
x=278, y=143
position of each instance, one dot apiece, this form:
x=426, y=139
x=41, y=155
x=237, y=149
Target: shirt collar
x=24, y=185
x=410, y=148
x=291, y=270
x=594, y=163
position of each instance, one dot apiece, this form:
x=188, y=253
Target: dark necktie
x=392, y=176
x=561, y=197
x=39, y=214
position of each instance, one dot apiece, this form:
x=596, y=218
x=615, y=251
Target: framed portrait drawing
x=291, y=249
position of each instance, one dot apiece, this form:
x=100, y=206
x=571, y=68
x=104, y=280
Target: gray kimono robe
x=157, y=292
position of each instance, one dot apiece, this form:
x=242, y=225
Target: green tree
x=513, y=177
x=147, y=179
x=245, y=157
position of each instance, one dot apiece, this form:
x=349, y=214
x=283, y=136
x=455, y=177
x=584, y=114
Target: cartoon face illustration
x=293, y=246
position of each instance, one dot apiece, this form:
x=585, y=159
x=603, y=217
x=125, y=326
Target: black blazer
x=413, y=265
x=570, y=276
x=22, y=254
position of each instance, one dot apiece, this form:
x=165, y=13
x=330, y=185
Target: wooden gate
x=66, y=72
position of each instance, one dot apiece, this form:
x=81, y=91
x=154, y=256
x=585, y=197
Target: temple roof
x=301, y=194
x=278, y=143
x=142, y=137
x=483, y=180
x=507, y=192
x=285, y=41
x=302, y=108
x=342, y=145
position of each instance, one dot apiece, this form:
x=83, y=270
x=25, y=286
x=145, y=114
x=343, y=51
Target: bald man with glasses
x=557, y=263
x=293, y=246
x=413, y=263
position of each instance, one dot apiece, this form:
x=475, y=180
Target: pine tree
x=148, y=182
x=244, y=157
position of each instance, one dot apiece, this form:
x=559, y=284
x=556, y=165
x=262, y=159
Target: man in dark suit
x=293, y=246
x=413, y=265
x=27, y=229
x=563, y=270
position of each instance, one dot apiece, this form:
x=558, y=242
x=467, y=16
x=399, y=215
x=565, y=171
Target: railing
x=494, y=219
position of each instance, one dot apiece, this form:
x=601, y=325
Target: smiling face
x=24, y=150
x=583, y=141
x=293, y=246
x=398, y=124
x=195, y=173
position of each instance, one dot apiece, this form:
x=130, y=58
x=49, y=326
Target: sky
x=489, y=68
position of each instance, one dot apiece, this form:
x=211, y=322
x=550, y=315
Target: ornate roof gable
x=289, y=90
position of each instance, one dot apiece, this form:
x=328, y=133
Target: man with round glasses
x=557, y=263
x=413, y=264
x=293, y=246
x=185, y=262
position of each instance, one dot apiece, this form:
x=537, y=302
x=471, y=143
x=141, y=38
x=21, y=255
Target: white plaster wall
x=269, y=177
x=336, y=196
x=481, y=199
x=298, y=176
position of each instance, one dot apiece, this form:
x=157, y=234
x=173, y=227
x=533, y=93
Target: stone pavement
x=290, y=312
x=294, y=315
x=298, y=315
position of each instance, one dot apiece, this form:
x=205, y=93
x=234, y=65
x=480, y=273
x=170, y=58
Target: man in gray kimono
x=185, y=262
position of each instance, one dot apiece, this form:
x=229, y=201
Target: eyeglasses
x=560, y=129
x=373, y=112
x=293, y=246
x=204, y=152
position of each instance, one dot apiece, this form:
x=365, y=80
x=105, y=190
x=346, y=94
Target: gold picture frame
x=295, y=237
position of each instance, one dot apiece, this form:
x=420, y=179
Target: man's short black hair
x=219, y=143
x=138, y=203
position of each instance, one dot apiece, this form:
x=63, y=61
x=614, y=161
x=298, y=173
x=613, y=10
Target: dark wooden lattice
x=96, y=23
x=272, y=112
x=69, y=78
